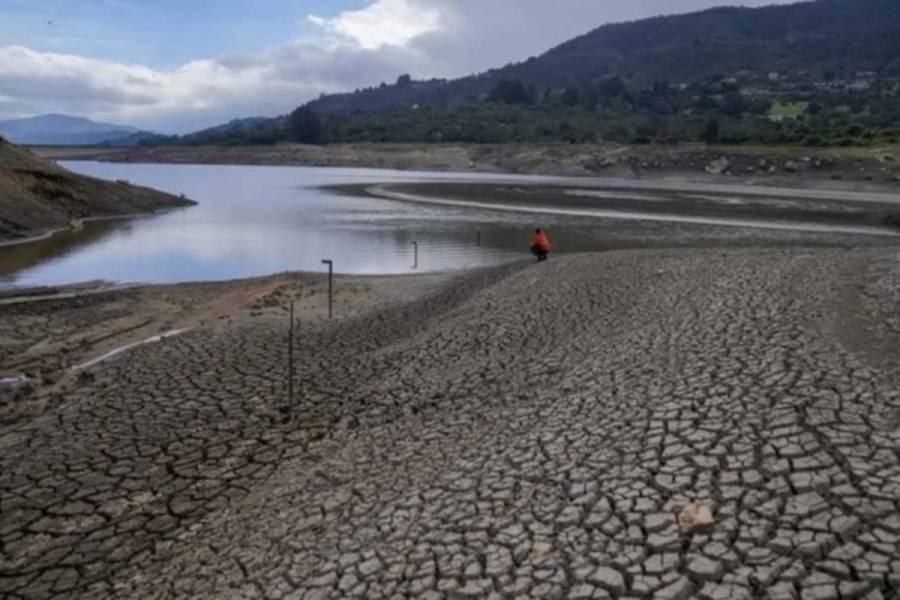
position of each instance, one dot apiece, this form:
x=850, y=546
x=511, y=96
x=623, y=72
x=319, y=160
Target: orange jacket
x=540, y=240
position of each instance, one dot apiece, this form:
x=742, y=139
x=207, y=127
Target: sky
x=176, y=66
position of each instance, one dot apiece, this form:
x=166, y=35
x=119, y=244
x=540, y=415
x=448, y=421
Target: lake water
x=254, y=220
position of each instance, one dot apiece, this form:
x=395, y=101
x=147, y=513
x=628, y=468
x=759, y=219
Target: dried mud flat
x=524, y=431
x=873, y=168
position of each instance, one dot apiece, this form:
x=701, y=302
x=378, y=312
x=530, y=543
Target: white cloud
x=443, y=38
x=197, y=94
x=384, y=22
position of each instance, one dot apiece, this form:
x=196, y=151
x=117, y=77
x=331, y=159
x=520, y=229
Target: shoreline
x=78, y=225
x=37, y=293
x=386, y=192
x=40, y=199
x=869, y=168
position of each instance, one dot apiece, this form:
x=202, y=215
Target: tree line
x=711, y=111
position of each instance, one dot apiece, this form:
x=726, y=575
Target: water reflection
x=252, y=221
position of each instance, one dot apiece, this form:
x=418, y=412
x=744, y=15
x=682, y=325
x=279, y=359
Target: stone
x=695, y=517
x=718, y=166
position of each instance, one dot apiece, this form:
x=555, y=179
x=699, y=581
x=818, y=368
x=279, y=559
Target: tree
x=732, y=105
x=711, y=132
x=305, y=126
x=404, y=80
x=658, y=99
x=589, y=96
x=570, y=96
x=612, y=87
x=510, y=91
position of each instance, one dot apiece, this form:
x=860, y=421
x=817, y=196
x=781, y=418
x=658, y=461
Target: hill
x=820, y=74
x=62, y=130
x=823, y=40
x=251, y=130
x=37, y=196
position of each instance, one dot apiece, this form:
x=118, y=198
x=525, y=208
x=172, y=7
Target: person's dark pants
x=539, y=252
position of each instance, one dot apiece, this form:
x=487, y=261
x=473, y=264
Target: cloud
x=498, y=32
x=427, y=38
x=197, y=94
x=385, y=22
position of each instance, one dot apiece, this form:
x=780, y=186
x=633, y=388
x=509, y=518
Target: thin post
x=291, y=407
x=330, y=264
x=415, y=255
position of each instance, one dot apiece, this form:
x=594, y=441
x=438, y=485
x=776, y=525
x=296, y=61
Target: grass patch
x=788, y=109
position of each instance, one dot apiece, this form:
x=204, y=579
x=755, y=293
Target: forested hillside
x=823, y=40
x=820, y=73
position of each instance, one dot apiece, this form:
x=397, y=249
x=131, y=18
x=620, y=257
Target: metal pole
x=291, y=366
x=330, y=264
x=415, y=255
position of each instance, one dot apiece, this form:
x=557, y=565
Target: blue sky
x=160, y=33
x=175, y=66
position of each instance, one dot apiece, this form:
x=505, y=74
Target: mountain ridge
x=62, y=129
x=817, y=73
x=818, y=35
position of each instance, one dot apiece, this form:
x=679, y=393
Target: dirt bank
x=37, y=196
x=875, y=168
x=775, y=207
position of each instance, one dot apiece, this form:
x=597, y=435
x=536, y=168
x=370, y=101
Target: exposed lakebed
x=254, y=220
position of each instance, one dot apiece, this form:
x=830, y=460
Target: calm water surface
x=254, y=220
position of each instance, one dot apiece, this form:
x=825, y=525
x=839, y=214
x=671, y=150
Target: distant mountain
x=63, y=130
x=821, y=39
x=247, y=131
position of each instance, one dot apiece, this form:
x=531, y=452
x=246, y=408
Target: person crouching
x=540, y=245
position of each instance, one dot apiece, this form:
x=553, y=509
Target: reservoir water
x=254, y=220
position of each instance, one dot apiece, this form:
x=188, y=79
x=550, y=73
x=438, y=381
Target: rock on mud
x=719, y=166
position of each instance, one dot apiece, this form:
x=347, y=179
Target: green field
x=788, y=109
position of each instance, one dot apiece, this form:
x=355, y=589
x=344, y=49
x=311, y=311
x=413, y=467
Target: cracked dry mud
x=527, y=431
